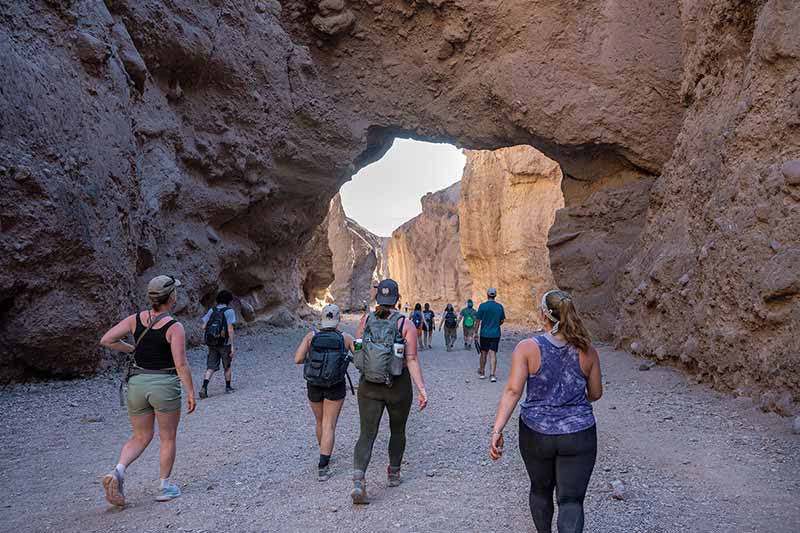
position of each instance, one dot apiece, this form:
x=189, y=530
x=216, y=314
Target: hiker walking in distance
x=450, y=322
x=388, y=364
x=418, y=320
x=557, y=432
x=468, y=317
x=218, y=327
x=490, y=317
x=428, y=325
x=325, y=355
x=159, y=367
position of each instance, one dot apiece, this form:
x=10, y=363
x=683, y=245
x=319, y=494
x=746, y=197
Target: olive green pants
x=373, y=398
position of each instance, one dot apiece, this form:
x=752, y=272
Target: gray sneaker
x=359, y=492
x=324, y=473
x=113, y=485
x=170, y=492
x=393, y=476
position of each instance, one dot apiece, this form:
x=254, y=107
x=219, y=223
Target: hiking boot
x=493, y=379
x=393, y=476
x=324, y=473
x=113, y=485
x=359, y=492
x=170, y=492
x=229, y=390
x=203, y=393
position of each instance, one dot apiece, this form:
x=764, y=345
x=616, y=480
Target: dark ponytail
x=560, y=306
x=384, y=311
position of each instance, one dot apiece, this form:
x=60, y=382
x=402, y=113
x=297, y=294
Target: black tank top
x=153, y=351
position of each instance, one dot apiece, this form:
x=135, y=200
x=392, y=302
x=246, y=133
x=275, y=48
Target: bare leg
x=482, y=366
x=493, y=361
x=317, y=409
x=228, y=374
x=208, y=374
x=142, y=435
x=167, y=432
x=330, y=416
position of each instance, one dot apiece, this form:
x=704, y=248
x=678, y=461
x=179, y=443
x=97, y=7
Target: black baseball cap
x=388, y=292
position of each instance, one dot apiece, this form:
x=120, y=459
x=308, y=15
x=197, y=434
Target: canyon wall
x=425, y=254
x=359, y=259
x=509, y=198
x=206, y=138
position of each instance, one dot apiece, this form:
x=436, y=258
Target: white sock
x=121, y=470
x=164, y=483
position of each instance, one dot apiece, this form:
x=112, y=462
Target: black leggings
x=560, y=462
x=373, y=398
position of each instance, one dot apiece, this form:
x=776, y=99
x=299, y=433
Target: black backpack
x=216, y=332
x=327, y=359
x=450, y=319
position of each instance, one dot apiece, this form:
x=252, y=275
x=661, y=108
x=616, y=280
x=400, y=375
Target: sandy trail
x=691, y=459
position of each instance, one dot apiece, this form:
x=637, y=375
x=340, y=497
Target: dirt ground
x=691, y=459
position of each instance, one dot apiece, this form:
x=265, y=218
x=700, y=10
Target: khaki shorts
x=153, y=392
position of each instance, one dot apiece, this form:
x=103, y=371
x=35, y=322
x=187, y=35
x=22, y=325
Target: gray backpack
x=374, y=360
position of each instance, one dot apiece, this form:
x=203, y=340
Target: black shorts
x=490, y=344
x=317, y=394
x=217, y=354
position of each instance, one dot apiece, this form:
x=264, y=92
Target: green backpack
x=469, y=321
x=374, y=360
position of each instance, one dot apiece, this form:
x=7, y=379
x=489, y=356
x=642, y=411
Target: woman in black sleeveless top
x=154, y=389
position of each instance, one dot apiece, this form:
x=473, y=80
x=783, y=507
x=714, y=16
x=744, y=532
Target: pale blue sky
x=407, y=171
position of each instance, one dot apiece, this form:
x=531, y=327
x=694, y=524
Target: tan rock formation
x=425, y=254
x=205, y=139
x=359, y=259
x=509, y=198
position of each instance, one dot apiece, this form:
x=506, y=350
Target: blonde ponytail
x=559, y=309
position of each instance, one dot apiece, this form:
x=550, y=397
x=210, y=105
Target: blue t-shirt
x=230, y=317
x=491, y=314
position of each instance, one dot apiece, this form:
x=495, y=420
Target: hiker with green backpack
x=386, y=356
x=325, y=355
x=468, y=315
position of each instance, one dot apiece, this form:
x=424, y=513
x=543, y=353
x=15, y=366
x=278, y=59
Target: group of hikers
x=559, y=368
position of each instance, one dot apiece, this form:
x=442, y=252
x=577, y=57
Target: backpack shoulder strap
x=153, y=322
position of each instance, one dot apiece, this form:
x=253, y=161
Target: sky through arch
x=385, y=194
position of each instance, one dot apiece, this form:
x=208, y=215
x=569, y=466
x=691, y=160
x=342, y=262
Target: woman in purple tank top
x=557, y=433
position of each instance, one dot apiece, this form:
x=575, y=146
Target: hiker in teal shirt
x=490, y=316
x=469, y=316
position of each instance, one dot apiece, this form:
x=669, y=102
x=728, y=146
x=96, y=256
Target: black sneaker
x=203, y=393
x=324, y=473
x=229, y=390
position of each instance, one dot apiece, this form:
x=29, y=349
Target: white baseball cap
x=331, y=316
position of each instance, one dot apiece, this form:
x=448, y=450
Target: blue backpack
x=416, y=318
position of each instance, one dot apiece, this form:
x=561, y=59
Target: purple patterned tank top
x=556, y=403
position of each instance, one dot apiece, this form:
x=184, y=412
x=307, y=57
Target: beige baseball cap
x=161, y=286
x=330, y=316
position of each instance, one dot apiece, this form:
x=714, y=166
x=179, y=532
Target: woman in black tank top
x=154, y=388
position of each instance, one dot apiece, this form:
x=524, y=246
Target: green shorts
x=153, y=392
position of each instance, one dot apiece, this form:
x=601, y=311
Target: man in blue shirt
x=488, y=320
x=224, y=349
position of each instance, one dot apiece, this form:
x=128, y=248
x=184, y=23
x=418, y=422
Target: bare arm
x=349, y=342
x=302, y=349
x=113, y=337
x=361, y=326
x=412, y=362
x=233, y=346
x=176, y=336
x=511, y=394
x=594, y=381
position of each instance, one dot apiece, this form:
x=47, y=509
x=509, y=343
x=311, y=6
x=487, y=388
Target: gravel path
x=690, y=459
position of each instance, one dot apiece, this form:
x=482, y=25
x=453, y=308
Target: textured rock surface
x=359, y=259
x=714, y=283
x=425, y=254
x=206, y=139
x=509, y=198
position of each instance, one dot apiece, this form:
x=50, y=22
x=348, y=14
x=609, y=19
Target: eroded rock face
x=714, y=283
x=206, y=139
x=509, y=198
x=425, y=254
x=359, y=259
